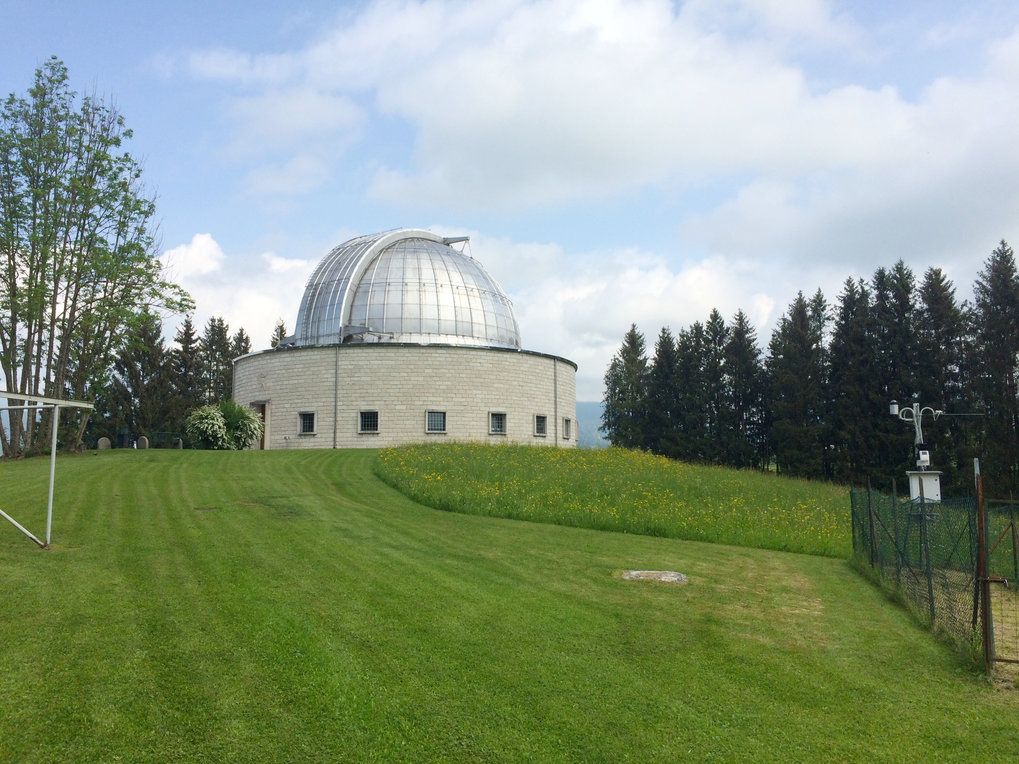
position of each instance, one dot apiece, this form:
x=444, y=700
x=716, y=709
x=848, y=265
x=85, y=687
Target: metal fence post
x=852, y=516
x=1015, y=540
x=927, y=568
x=986, y=614
x=895, y=532
x=872, y=530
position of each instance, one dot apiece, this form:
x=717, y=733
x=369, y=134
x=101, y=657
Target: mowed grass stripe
x=316, y=614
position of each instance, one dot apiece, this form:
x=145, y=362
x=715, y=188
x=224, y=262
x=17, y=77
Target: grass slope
x=629, y=491
x=289, y=606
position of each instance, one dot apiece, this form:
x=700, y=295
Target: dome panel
x=404, y=286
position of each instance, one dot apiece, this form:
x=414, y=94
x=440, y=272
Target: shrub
x=243, y=426
x=206, y=428
x=227, y=426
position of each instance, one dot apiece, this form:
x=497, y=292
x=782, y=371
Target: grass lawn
x=289, y=606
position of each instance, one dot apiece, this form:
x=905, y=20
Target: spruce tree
x=663, y=396
x=279, y=333
x=692, y=439
x=140, y=386
x=185, y=374
x=744, y=380
x=942, y=340
x=795, y=395
x=624, y=412
x=217, y=363
x=994, y=367
x=856, y=400
x=716, y=336
x=240, y=344
x=895, y=369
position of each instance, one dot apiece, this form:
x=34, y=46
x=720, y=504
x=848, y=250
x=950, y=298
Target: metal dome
x=404, y=286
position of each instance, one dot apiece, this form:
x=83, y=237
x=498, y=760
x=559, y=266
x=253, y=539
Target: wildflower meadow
x=625, y=491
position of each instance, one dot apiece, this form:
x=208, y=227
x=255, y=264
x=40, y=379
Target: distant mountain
x=588, y=422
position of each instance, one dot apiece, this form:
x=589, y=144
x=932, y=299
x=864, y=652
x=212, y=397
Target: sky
x=613, y=162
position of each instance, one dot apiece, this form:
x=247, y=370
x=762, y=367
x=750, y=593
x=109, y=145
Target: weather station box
x=929, y=481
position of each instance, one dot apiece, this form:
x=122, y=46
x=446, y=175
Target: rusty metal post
x=986, y=615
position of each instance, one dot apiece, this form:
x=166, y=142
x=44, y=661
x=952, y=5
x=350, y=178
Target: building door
x=260, y=408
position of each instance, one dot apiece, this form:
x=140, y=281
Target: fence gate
x=1002, y=587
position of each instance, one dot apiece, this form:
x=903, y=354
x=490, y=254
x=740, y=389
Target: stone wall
x=401, y=383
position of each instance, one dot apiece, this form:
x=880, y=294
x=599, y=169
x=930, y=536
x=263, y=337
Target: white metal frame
x=34, y=403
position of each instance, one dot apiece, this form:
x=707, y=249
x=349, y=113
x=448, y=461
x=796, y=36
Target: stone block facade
x=384, y=394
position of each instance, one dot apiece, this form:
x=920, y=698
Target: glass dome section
x=404, y=286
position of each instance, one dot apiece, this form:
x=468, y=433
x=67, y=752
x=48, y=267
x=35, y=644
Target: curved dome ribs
x=404, y=286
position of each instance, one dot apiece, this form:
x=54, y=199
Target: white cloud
x=282, y=118
x=564, y=100
x=186, y=261
x=247, y=291
x=522, y=105
x=819, y=164
x=813, y=22
x=225, y=65
x=580, y=307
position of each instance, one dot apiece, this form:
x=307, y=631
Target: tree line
x=77, y=250
x=150, y=388
x=81, y=288
x=815, y=403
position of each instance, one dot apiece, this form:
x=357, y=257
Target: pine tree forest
x=152, y=387
x=815, y=402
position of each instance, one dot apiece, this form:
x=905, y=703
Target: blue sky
x=613, y=162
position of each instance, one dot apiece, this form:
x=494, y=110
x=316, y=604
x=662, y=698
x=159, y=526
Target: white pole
x=22, y=528
x=53, y=469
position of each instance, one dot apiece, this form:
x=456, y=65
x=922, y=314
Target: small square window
x=369, y=421
x=540, y=425
x=435, y=421
x=497, y=423
x=567, y=427
x=306, y=423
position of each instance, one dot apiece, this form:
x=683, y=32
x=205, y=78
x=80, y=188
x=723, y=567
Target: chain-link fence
x=928, y=552
x=1002, y=589
x=925, y=550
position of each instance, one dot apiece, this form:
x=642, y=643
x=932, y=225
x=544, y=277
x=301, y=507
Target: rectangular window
x=435, y=421
x=567, y=425
x=306, y=423
x=540, y=425
x=497, y=423
x=369, y=421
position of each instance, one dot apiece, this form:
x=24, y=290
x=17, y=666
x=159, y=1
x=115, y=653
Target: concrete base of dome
x=368, y=396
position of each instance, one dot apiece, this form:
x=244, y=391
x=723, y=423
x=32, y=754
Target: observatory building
x=402, y=338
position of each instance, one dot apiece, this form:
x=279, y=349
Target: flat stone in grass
x=666, y=576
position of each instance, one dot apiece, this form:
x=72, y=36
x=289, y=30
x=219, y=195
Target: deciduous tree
x=77, y=265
